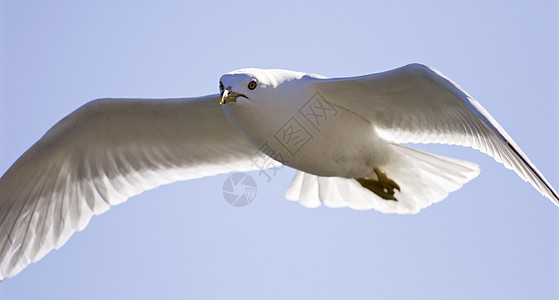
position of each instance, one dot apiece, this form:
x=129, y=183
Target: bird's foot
x=383, y=186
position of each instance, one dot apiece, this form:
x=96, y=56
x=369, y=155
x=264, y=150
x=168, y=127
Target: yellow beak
x=228, y=96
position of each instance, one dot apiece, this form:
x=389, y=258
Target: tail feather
x=424, y=178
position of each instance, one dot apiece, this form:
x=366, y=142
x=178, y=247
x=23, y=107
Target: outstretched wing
x=100, y=155
x=417, y=104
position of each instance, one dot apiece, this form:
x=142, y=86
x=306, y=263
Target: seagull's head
x=253, y=97
x=255, y=85
x=239, y=85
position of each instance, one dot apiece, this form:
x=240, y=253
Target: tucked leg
x=383, y=186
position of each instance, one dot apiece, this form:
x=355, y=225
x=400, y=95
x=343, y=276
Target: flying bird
x=343, y=135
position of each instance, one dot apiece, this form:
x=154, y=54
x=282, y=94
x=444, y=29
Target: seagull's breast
x=312, y=135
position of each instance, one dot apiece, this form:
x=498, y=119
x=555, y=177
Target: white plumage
x=100, y=155
x=109, y=150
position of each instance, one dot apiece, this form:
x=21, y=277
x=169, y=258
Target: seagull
x=343, y=135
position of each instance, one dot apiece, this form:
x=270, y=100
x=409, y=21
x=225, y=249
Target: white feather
x=424, y=178
x=102, y=154
x=417, y=104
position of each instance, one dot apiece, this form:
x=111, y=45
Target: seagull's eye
x=221, y=86
x=252, y=85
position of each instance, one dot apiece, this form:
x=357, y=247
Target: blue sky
x=495, y=238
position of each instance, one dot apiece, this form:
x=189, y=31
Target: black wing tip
x=536, y=172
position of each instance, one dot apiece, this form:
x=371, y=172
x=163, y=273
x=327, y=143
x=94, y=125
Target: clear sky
x=497, y=238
